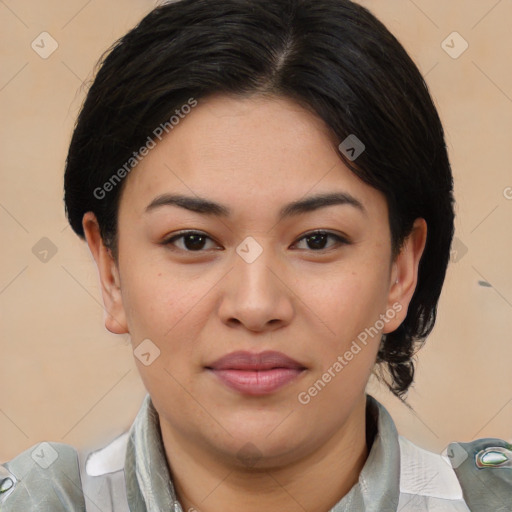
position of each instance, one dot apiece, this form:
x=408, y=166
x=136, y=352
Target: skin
x=254, y=155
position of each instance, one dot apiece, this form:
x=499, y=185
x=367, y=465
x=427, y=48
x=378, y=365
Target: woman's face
x=240, y=321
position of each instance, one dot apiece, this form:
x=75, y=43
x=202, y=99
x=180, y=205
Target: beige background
x=65, y=378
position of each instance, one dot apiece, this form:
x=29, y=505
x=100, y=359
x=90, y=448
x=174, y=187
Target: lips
x=250, y=361
x=256, y=374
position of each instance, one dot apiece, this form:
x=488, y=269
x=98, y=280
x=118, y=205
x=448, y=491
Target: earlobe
x=115, y=320
x=404, y=276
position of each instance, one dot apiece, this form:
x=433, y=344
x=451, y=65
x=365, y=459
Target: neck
x=204, y=482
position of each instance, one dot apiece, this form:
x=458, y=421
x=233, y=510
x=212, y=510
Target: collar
x=150, y=488
x=378, y=488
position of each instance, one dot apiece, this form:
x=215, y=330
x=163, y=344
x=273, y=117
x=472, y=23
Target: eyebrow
x=305, y=205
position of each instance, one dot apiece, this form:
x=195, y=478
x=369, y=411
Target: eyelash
x=340, y=240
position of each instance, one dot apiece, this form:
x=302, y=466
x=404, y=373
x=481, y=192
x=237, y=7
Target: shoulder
x=55, y=477
x=427, y=481
x=45, y=477
x=484, y=470
x=473, y=476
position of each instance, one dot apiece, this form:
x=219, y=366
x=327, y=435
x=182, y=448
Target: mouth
x=256, y=374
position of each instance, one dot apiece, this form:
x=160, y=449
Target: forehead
x=258, y=150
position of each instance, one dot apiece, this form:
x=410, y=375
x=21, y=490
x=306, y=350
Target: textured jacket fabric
x=131, y=474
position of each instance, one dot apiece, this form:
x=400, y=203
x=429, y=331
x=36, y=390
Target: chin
x=260, y=444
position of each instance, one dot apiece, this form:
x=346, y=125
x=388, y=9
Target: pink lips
x=256, y=374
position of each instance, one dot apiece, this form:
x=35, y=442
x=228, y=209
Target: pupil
x=197, y=241
x=317, y=244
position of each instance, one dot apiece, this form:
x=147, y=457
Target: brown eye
x=317, y=240
x=191, y=241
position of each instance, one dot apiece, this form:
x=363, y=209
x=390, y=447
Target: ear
x=404, y=274
x=115, y=320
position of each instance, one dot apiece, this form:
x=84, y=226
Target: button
x=494, y=457
x=7, y=483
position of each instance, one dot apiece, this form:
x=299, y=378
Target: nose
x=255, y=294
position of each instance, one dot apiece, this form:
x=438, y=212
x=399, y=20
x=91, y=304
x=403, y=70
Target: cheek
x=344, y=303
x=345, y=355
x=168, y=308
x=154, y=297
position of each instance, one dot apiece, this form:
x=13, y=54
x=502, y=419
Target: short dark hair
x=334, y=58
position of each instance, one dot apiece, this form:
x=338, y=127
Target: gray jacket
x=131, y=474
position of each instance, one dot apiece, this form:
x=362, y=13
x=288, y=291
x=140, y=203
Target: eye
x=196, y=241
x=316, y=240
x=191, y=241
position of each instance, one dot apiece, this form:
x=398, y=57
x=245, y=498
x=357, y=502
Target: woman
x=266, y=192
